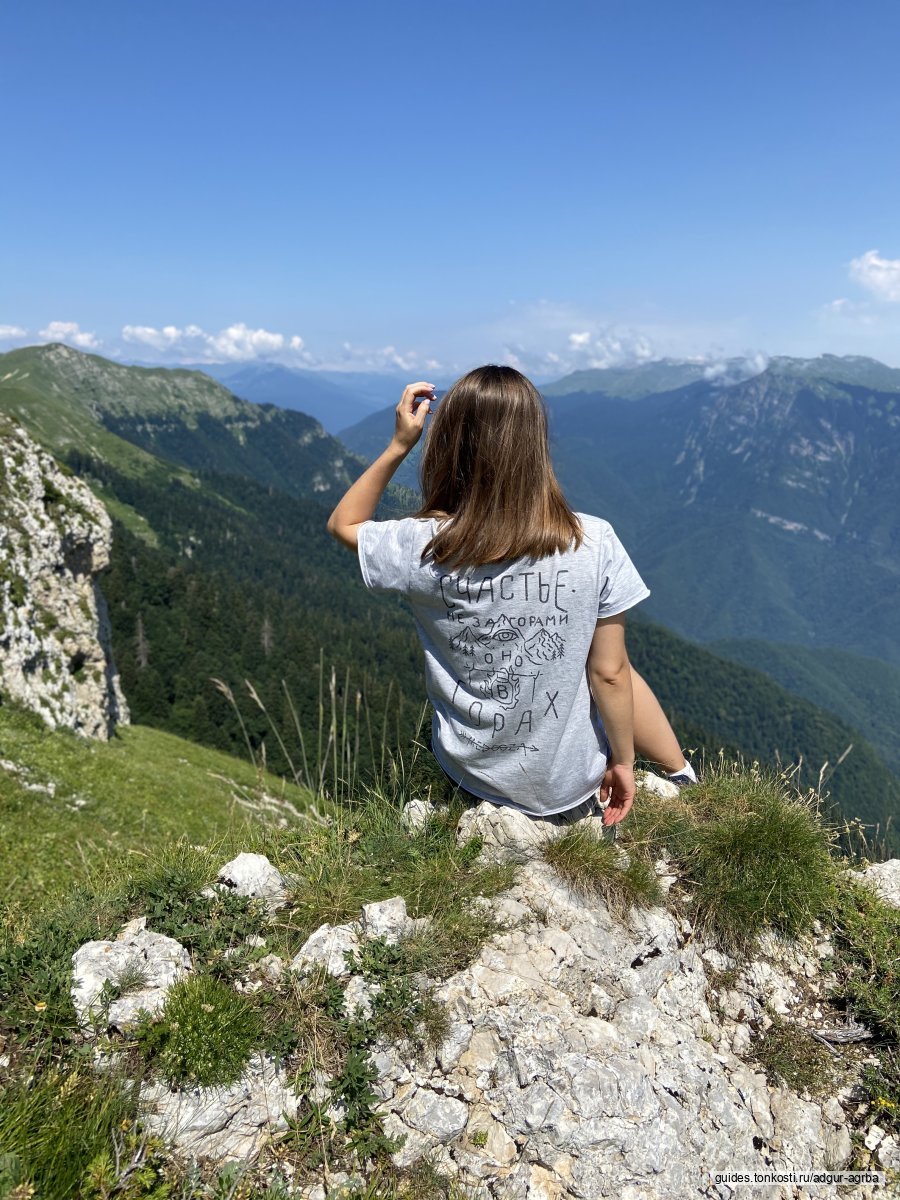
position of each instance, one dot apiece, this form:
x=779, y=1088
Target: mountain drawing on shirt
x=493, y=671
x=466, y=643
x=544, y=647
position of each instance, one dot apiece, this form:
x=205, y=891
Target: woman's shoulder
x=595, y=528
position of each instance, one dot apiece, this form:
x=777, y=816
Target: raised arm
x=361, y=498
x=609, y=675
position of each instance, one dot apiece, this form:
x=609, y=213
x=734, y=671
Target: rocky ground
x=586, y=1055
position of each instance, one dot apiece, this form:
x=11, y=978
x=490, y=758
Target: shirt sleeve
x=621, y=587
x=385, y=549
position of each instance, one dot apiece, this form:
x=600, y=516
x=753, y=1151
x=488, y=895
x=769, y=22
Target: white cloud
x=880, y=276
x=734, y=370
x=72, y=333
x=384, y=358
x=11, y=331
x=610, y=347
x=159, y=339
x=237, y=343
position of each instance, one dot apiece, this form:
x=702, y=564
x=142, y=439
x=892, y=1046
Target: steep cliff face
x=55, y=538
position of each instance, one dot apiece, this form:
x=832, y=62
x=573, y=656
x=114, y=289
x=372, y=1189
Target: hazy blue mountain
x=335, y=398
x=331, y=403
x=629, y=383
x=370, y=436
x=763, y=509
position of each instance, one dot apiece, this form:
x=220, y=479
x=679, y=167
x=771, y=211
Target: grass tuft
x=792, y=1058
x=751, y=853
x=592, y=865
x=866, y=936
x=54, y=1121
x=206, y=1035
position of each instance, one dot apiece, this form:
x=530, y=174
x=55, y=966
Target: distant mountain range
x=334, y=398
x=223, y=567
x=71, y=400
x=764, y=507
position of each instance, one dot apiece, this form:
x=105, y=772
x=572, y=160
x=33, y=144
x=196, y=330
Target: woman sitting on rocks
x=519, y=603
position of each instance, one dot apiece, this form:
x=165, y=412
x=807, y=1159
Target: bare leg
x=653, y=735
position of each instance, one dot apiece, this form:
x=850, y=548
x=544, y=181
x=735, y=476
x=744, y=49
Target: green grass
x=138, y=791
x=792, y=1058
x=751, y=851
x=53, y=1125
x=206, y=1034
x=591, y=865
x=348, y=855
x=867, y=954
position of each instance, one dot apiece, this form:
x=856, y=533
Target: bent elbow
x=610, y=674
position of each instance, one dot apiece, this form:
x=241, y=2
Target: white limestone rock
x=416, y=813
x=359, y=996
x=159, y=960
x=884, y=879
x=55, y=646
x=254, y=876
x=509, y=835
x=327, y=947
x=389, y=920
x=225, y=1123
x=654, y=784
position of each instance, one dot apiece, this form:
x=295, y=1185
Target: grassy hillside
x=67, y=804
x=69, y=400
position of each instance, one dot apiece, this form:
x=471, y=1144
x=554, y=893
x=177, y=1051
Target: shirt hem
x=502, y=802
x=360, y=553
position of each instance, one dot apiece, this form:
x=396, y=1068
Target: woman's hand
x=411, y=412
x=618, y=788
x=361, y=498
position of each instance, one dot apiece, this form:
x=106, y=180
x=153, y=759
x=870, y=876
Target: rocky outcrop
x=149, y=963
x=586, y=1056
x=55, y=538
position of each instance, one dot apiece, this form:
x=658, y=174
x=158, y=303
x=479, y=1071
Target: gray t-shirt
x=506, y=648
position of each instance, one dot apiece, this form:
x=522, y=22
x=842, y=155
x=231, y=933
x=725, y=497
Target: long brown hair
x=486, y=465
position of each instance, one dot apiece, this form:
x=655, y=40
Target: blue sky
x=398, y=185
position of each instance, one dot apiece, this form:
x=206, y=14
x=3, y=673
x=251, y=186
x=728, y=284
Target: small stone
x=884, y=879
x=254, y=876
x=874, y=1137
x=327, y=946
x=358, y=995
x=386, y=919
x=416, y=814
x=441, y=1117
x=157, y=960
